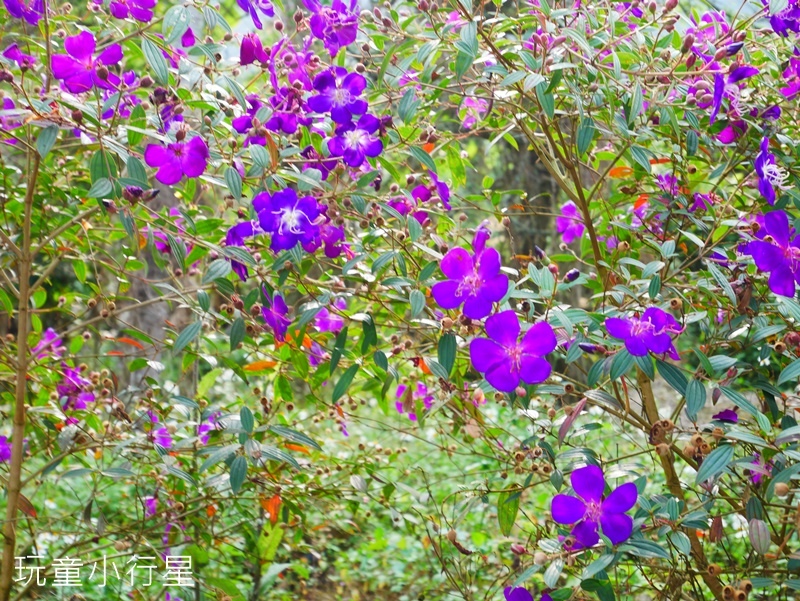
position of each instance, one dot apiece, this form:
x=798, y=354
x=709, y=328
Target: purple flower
x=727, y=415
x=338, y=92
x=778, y=253
x=729, y=87
x=354, y=141
x=177, y=159
x=505, y=359
x=473, y=109
x=786, y=20
x=290, y=220
x=5, y=450
x=79, y=70
x=274, y=312
x=141, y=10
x=759, y=468
x=162, y=437
x=650, y=333
x=325, y=321
x=252, y=50
x=592, y=510
x=770, y=175
x=188, y=39
x=235, y=237
x=254, y=7
x=244, y=123
x=701, y=202
x=518, y=594
x=206, y=426
x=22, y=9
x=150, y=506
x=73, y=389
x=49, y=345
x=13, y=53
x=570, y=223
x=407, y=399
x=474, y=281
x=336, y=25
x=792, y=76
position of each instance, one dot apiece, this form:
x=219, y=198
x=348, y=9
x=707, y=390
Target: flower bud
x=553, y=269
x=688, y=42
x=714, y=569
x=670, y=5
x=518, y=549
x=728, y=592
x=540, y=558
x=571, y=275
x=102, y=72
x=781, y=489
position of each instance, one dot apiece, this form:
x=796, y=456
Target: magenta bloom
x=207, y=426
x=650, y=333
x=570, y=223
x=326, y=321
x=15, y=54
x=162, y=437
x=778, y=253
x=252, y=50
x=150, y=506
x=729, y=87
x=74, y=389
x=141, y=10
x=5, y=450
x=22, y=9
x=336, y=25
x=770, y=175
x=79, y=70
x=589, y=510
x=254, y=7
x=473, y=110
x=338, y=93
x=474, y=281
x=177, y=159
x=290, y=220
x=505, y=360
x=407, y=399
x=49, y=345
x=518, y=594
x=727, y=415
x=274, y=312
x=355, y=141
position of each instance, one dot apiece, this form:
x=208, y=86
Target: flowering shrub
x=235, y=236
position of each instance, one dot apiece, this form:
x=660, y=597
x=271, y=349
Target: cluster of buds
x=739, y=593
x=697, y=448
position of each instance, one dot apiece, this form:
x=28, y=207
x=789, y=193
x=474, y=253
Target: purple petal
x=617, y=527
x=567, y=509
x=502, y=376
x=781, y=281
x=80, y=46
x=619, y=328
x=534, y=370
x=517, y=594
x=589, y=483
x=111, y=55
x=485, y=354
x=477, y=306
x=456, y=264
x=503, y=328
x=446, y=294
x=585, y=532
x=539, y=340
x=777, y=224
x=622, y=499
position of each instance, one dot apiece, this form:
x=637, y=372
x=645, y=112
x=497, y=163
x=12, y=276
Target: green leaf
x=639, y=155
x=217, y=269
x=338, y=347
x=344, y=382
x=408, y=106
x=673, y=376
x=268, y=542
x=234, y=182
x=237, y=333
x=507, y=508
x=247, y=419
x=691, y=143
x=585, y=135
x=695, y=398
x=645, y=549
x=188, y=334
x=46, y=139
x=546, y=100
x=790, y=372
x=294, y=436
x=102, y=188
x=715, y=463
x=423, y=157
x=238, y=473
x=417, y=301
x=447, y=351
x=155, y=58
x=621, y=364
x=637, y=101
x=136, y=170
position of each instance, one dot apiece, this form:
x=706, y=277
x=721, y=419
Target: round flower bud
x=662, y=449
x=452, y=536
x=728, y=592
x=781, y=489
x=746, y=586
x=520, y=391
x=714, y=569
x=740, y=595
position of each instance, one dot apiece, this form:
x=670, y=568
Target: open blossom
x=472, y=110
x=73, y=389
x=31, y=11
x=141, y=10
x=778, y=253
x=327, y=321
x=473, y=280
x=570, y=223
x=356, y=141
x=729, y=87
x=177, y=159
x=290, y=220
x=80, y=70
x=274, y=312
x=49, y=345
x=13, y=53
x=649, y=333
x=770, y=175
x=255, y=8
x=150, y=506
x=337, y=92
x=336, y=25
x=162, y=437
x=727, y=415
x=787, y=20
x=243, y=124
x=505, y=360
x=589, y=510
x=407, y=397
x=5, y=450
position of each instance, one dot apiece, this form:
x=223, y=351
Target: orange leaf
x=260, y=365
x=339, y=411
x=211, y=511
x=26, y=507
x=142, y=242
x=132, y=342
x=115, y=354
x=620, y=172
x=517, y=207
x=640, y=201
x=428, y=147
x=272, y=507
x=297, y=447
x=424, y=366
x=660, y=161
